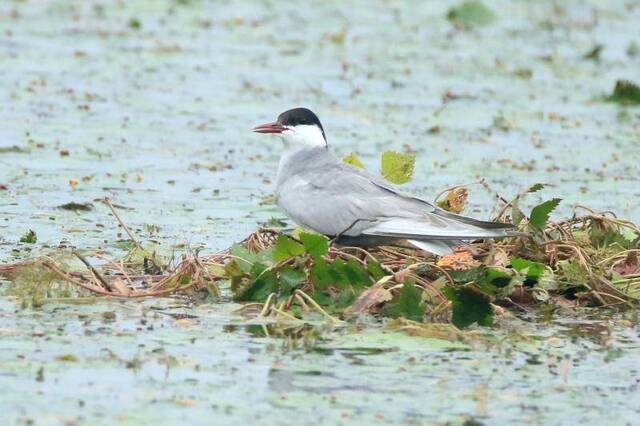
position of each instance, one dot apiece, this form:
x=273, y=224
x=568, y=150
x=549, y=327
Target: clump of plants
x=589, y=260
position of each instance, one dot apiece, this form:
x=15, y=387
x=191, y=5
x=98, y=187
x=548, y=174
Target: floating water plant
x=589, y=260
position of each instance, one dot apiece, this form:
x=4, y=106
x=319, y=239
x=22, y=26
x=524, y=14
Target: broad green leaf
x=339, y=273
x=320, y=274
x=353, y=160
x=397, y=167
x=350, y=273
x=264, y=256
x=322, y=298
x=264, y=283
x=469, y=306
x=491, y=281
x=315, y=244
x=375, y=270
x=471, y=13
x=407, y=304
x=496, y=277
x=286, y=248
x=531, y=270
x=290, y=279
x=540, y=213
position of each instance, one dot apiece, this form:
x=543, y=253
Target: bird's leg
x=347, y=229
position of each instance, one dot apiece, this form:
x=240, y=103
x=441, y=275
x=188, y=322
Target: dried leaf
x=455, y=200
x=460, y=261
x=630, y=265
x=368, y=299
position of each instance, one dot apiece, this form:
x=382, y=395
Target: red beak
x=269, y=128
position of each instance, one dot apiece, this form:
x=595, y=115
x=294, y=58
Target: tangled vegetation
x=589, y=260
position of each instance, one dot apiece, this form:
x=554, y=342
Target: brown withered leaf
x=630, y=265
x=497, y=257
x=455, y=200
x=459, y=261
x=370, y=298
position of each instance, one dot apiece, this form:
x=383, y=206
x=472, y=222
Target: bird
x=319, y=192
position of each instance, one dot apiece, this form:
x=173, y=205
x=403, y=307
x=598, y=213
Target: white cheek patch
x=306, y=135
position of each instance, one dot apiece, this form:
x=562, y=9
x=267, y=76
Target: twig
x=107, y=201
x=93, y=270
x=52, y=266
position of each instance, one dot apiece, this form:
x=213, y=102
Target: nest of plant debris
x=589, y=260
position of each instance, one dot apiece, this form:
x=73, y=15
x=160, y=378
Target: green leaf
x=407, y=304
x=353, y=160
x=320, y=274
x=29, y=237
x=290, y=279
x=573, y=273
x=350, y=273
x=469, y=306
x=491, y=281
x=249, y=258
x=346, y=298
x=625, y=93
x=322, y=298
x=339, y=274
x=397, y=167
x=264, y=283
x=540, y=213
x=286, y=248
x=471, y=13
x=536, y=187
x=375, y=270
x=530, y=269
x=315, y=244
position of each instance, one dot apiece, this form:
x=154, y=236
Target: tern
x=321, y=193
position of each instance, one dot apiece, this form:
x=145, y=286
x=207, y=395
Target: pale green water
x=178, y=96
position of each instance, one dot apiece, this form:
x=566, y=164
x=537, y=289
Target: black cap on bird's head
x=297, y=123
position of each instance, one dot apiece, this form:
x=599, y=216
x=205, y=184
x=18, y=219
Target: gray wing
x=334, y=198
